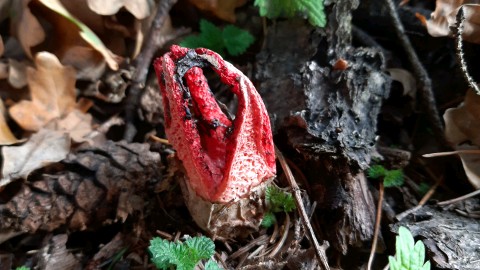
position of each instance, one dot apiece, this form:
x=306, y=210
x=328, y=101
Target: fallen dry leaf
x=77, y=124
x=223, y=9
x=26, y=26
x=44, y=147
x=52, y=88
x=139, y=8
x=17, y=73
x=6, y=135
x=2, y=47
x=85, y=32
x=462, y=129
x=444, y=17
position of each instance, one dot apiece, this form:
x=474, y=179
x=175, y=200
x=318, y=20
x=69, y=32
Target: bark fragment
x=94, y=186
x=332, y=122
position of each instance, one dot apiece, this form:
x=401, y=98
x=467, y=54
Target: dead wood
x=92, y=187
x=329, y=115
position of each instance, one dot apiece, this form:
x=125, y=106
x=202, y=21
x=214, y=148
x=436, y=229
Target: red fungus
x=225, y=159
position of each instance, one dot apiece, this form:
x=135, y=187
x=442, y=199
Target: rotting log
x=326, y=103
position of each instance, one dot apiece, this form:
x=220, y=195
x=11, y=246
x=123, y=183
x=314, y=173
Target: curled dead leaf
x=462, y=129
x=52, y=88
x=139, y=8
x=444, y=17
x=6, y=135
x=44, y=147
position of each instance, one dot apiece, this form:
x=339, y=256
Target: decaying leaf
x=77, y=124
x=27, y=28
x=223, y=9
x=443, y=19
x=462, y=129
x=52, y=88
x=139, y=8
x=6, y=135
x=44, y=147
x=85, y=32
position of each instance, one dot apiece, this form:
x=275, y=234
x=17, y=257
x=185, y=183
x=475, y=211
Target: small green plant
x=22, y=268
x=233, y=39
x=409, y=255
x=312, y=9
x=391, y=178
x=277, y=200
x=185, y=256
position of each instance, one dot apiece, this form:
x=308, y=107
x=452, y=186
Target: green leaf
x=236, y=40
x=313, y=9
x=233, y=39
x=409, y=255
x=201, y=247
x=376, y=171
x=279, y=200
x=22, y=268
x=268, y=220
x=184, y=256
x=212, y=265
x=161, y=251
x=393, y=178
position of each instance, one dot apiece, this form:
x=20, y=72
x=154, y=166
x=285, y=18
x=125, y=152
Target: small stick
x=460, y=19
x=461, y=198
x=425, y=84
x=279, y=245
x=422, y=202
x=143, y=60
x=442, y=154
x=377, y=225
x=320, y=250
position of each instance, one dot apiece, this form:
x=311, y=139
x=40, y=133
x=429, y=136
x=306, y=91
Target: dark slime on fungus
x=224, y=159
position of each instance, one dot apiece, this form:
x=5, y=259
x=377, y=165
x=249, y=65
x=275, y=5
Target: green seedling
x=231, y=38
x=409, y=255
x=313, y=10
x=184, y=256
x=277, y=200
x=391, y=178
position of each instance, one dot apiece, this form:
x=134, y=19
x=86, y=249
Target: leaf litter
x=70, y=177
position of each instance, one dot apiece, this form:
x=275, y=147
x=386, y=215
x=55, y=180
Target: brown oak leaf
x=52, y=88
x=139, y=8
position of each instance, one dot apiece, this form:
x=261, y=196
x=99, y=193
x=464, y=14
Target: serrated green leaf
x=160, y=251
x=418, y=255
x=268, y=220
x=376, y=171
x=313, y=9
x=200, y=247
x=409, y=255
x=212, y=265
x=393, y=178
x=394, y=265
x=211, y=36
x=279, y=200
x=236, y=40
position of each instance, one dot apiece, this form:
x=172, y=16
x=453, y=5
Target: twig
x=143, y=61
x=377, y=225
x=425, y=84
x=279, y=245
x=422, y=202
x=442, y=154
x=320, y=250
x=460, y=19
x=461, y=198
